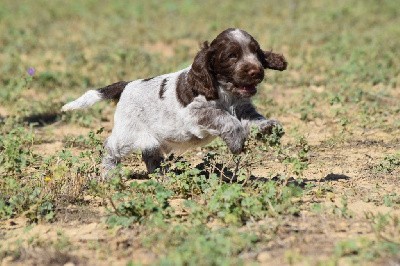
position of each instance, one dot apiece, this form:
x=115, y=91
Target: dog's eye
x=233, y=56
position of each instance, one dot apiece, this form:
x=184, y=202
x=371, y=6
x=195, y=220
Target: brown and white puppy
x=184, y=109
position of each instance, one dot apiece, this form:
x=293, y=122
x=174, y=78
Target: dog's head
x=235, y=60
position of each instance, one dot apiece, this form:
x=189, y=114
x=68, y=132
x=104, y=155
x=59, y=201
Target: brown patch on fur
x=184, y=91
x=162, y=88
x=200, y=77
x=113, y=91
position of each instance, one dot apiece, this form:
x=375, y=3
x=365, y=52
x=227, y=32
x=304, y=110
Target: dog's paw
x=235, y=139
x=266, y=126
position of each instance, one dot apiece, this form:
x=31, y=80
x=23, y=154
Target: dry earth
x=339, y=161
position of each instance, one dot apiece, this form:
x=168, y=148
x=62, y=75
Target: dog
x=177, y=111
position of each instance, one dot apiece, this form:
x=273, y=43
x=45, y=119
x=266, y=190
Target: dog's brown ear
x=200, y=76
x=273, y=61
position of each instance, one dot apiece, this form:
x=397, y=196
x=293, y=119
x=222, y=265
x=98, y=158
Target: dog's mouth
x=247, y=90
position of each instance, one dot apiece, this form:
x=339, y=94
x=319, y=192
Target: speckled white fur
x=143, y=120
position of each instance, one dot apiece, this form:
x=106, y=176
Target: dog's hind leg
x=153, y=158
x=113, y=155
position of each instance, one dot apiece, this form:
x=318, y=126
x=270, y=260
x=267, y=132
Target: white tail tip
x=88, y=99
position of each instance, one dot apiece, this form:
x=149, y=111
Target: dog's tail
x=110, y=92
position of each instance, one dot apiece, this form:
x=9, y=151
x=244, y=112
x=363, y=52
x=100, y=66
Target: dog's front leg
x=222, y=123
x=249, y=118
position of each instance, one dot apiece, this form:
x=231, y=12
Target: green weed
x=386, y=242
x=138, y=202
x=184, y=245
x=388, y=164
x=16, y=151
x=62, y=176
x=219, y=188
x=14, y=87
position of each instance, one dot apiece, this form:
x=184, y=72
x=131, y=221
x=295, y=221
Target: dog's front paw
x=266, y=126
x=235, y=139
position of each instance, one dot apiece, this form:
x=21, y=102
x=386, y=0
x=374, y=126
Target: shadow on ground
x=43, y=119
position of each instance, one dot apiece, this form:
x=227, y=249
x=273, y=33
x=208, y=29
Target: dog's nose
x=254, y=72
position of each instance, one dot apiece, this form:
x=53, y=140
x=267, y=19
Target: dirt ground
x=342, y=166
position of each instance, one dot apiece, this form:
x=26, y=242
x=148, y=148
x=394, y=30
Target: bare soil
x=345, y=165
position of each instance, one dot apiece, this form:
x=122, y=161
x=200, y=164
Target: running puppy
x=188, y=108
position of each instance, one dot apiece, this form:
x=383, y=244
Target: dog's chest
x=193, y=141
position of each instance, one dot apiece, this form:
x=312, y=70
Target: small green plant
x=16, y=150
x=307, y=113
x=219, y=188
x=63, y=176
x=182, y=178
x=295, y=156
x=386, y=227
x=234, y=205
x=138, y=202
x=186, y=245
x=62, y=242
x=237, y=204
x=391, y=200
x=361, y=249
x=267, y=140
x=347, y=248
x=388, y=164
x=28, y=200
x=299, y=162
x=343, y=209
x=18, y=194
x=66, y=175
x=385, y=245
x=14, y=87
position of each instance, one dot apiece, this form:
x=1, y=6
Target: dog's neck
x=227, y=100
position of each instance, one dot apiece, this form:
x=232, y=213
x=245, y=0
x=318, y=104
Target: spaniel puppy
x=191, y=107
